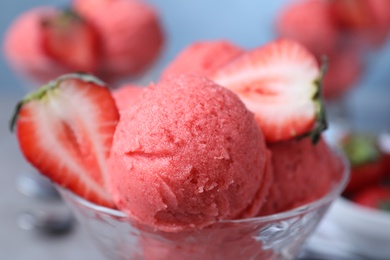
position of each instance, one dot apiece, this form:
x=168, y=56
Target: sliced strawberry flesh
x=279, y=84
x=67, y=134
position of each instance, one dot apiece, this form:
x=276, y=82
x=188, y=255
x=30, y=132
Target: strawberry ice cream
x=131, y=33
x=125, y=96
x=302, y=173
x=228, y=241
x=203, y=58
x=187, y=155
x=23, y=46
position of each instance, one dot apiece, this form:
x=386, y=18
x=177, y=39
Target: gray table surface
x=369, y=106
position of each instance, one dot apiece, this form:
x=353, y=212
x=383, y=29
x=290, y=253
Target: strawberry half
x=65, y=129
x=71, y=41
x=281, y=84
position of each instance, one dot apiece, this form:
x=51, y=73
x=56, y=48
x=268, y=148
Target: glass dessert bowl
x=277, y=236
x=179, y=183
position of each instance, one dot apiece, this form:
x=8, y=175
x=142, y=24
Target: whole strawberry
x=366, y=161
x=310, y=23
x=376, y=197
x=367, y=20
x=384, y=146
x=131, y=33
x=345, y=67
x=44, y=43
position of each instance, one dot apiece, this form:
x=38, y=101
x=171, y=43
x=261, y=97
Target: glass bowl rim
x=332, y=194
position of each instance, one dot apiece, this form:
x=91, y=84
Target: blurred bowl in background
x=367, y=230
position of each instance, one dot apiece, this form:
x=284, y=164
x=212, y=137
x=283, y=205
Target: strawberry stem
x=66, y=16
x=42, y=91
x=385, y=205
x=361, y=149
x=36, y=95
x=321, y=123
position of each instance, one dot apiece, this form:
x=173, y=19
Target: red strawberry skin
x=71, y=41
x=279, y=83
x=131, y=33
x=384, y=146
x=27, y=57
x=376, y=197
x=46, y=42
x=387, y=164
x=315, y=29
x=365, y=175
x=345, y=67
x=361, y=14
x=368, y=20
x=366, y=159
x=65, y=130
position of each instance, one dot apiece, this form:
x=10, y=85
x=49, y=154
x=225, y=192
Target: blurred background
x=248, y=23
x=183, y=23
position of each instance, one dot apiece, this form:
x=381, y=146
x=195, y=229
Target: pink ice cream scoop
x=203, y=58
x=126, y=96
x=131, y=33
x=302, y=173
x=186, y=155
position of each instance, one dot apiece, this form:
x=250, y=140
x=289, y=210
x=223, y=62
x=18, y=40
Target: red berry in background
x=363, y=175
x=387, y=164
x=369, y=20
x=376, y=197
x=131, y=32
x=384, y=146
x=310, y=23
x=23, y=48
x=366, y=161
x=70, y=40
x=345, y=68
x=112, y=39
x=44, y=43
